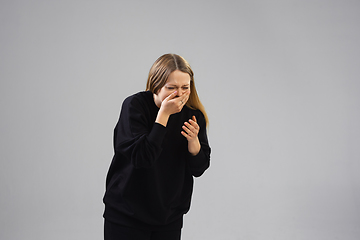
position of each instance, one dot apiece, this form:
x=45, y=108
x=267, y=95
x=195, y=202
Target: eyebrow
x=169, y=84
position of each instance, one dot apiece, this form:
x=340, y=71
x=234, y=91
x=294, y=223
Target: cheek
x=163, y=94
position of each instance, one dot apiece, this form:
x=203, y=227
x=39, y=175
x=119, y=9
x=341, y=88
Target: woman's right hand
x=173, y=104
x=170, y=105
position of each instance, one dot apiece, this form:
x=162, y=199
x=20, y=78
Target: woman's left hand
x=191, y=130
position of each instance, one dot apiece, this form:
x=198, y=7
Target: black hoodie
x=150, y=180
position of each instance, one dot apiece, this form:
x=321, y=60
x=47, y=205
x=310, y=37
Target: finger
x=187, y=130
x=185, y=135
x=193, y=122
x=185, y=97
x=190, y=130
x=190, y=126
x=171, y=96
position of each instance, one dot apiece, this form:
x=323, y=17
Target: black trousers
x=113, y=231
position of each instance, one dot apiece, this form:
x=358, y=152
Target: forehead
x=178, y=77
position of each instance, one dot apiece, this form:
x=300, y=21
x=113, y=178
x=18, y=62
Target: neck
x=157, y=100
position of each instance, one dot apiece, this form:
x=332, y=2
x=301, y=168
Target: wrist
x=162, y=118
x=194, y=146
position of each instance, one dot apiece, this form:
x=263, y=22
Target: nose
x=180, y=92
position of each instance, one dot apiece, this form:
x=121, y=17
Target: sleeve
x=200, y=162
x=136, y=136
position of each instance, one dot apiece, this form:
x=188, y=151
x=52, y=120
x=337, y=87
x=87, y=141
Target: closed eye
x=175, y=87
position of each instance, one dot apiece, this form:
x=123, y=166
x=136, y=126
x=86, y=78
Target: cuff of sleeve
x=198, y=163
x=157, y=134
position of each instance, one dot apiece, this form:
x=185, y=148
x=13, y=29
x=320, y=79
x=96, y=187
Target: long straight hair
x=160, y=71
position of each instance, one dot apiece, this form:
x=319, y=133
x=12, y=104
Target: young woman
x=160, y=144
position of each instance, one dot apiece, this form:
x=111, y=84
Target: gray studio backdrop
x=280, y=82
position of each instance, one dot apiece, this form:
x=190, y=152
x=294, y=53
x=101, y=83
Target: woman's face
x=177, y=81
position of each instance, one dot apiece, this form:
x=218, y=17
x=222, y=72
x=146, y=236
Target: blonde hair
x=160, y=71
